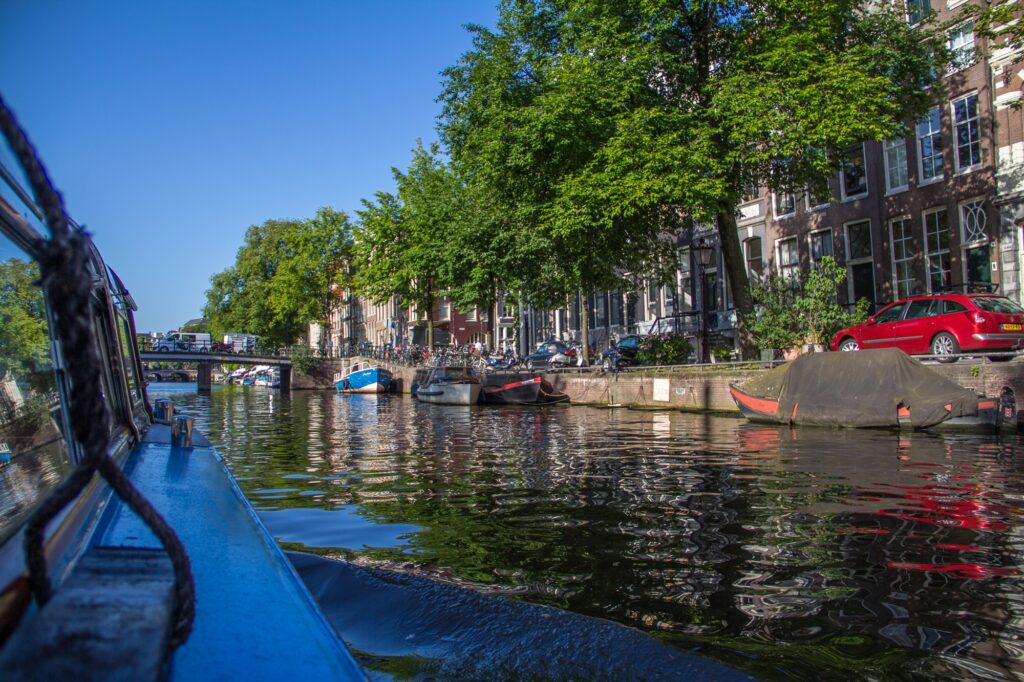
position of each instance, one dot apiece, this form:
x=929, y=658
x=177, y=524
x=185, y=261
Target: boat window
x=949, y=306
x=890, y=314
x=997, y=304
x=33, y=450
x=124, y=330
x=923, y=308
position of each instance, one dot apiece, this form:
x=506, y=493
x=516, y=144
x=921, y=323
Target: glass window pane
x=33, y=452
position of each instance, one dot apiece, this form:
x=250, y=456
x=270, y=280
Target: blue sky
x=171, y=127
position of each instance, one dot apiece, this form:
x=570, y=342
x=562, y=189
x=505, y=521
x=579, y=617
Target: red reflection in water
x=965, y=571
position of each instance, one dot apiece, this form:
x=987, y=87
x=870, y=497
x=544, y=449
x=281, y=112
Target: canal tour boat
x=882, y=388
x=364, y=380
x=182, y=581
x=450, y=385
x=532, y=391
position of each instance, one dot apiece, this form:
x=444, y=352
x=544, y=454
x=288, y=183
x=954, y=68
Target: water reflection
x=867, y=553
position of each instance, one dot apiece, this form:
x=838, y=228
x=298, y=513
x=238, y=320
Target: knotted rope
x=65, y=276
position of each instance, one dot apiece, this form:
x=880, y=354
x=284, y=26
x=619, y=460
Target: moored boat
x=364, y=380
x=454, y=385
x=532, y=391
x=113, y=564
x=882, y=388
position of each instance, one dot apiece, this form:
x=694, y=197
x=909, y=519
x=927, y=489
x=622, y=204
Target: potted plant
x=803, y=316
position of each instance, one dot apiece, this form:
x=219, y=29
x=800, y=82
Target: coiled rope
x=64, y=268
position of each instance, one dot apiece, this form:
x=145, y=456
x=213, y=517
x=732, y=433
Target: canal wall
x=696, y=388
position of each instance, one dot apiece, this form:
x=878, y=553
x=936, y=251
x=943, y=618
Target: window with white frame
x=753, y=257
x=820, y=245
x=917, y=10
x=785, y=204
x=895, y=154
x=471, y=315
x=444, y=310
x=858, y=240
x=902, y=240
x=817, y=198
x=972, y=222
x=967, y=129
x=853, y=178
x=929, y=146
x=789, y=259
x=975, y=242
x=936, y=239
x=960, y=42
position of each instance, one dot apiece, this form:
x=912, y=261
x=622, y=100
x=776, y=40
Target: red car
x=940, y=324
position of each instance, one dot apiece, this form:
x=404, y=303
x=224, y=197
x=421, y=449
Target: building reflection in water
x=861, y=551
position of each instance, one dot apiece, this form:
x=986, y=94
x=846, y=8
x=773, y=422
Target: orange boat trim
x=760, y=405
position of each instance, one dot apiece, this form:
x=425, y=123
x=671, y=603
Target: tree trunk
x=585, y=326
x=430, y=323
x=739, y=284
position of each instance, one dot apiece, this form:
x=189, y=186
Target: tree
x=402, y=245
x=282, y=279
x=319, y=252
x=606, y=126
x=24, y=334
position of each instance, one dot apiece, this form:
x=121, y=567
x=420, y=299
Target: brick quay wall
x=703, y=388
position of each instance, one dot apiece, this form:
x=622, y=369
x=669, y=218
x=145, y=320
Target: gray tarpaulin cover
x=862, y=389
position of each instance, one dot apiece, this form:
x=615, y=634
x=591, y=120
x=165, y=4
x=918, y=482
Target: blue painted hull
x=371, y=380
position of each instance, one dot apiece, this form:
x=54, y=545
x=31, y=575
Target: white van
x=185, y=342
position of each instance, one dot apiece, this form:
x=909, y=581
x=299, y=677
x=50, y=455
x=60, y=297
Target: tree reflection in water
x=866, y=553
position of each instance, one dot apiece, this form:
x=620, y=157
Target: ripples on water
x=806, y=553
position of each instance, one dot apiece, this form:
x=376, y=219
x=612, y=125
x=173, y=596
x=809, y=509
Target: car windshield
x=997, y=304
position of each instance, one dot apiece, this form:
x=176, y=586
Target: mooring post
x=204, y=376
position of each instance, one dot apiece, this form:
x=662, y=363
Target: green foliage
x=596, y=129
x=776, y=324
x=665, y=349
x=24, y=333
x=817, y=307
x=303, y=359
x=201, y=326
x=283, y=278
x=790, y=313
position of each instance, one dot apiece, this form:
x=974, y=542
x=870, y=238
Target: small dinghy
x=532, y=391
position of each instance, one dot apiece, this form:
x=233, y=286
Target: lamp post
x=705, y=252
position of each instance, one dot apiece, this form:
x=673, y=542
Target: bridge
x=205, y=361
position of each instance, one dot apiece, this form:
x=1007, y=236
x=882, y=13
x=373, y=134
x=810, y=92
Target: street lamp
x=705, y=254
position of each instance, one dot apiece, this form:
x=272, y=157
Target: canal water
x=787, y=554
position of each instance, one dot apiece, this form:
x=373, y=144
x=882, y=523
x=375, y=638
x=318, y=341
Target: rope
x=64, y=267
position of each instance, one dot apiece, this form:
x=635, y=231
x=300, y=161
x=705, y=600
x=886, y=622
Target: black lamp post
x=705, y=253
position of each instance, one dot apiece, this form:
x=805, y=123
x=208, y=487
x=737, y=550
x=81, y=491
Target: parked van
x=185, y=342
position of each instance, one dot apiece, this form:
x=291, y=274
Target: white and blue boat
x=364, y=380
x=185, y=583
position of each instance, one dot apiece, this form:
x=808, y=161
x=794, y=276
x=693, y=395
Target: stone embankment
x=697, y=388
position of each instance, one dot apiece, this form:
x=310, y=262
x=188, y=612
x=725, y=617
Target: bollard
x=181, y=431
x=163, y=410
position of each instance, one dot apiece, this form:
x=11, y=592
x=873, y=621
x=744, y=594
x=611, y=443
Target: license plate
x=1012, y=327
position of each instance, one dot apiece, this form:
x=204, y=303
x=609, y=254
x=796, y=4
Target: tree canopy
x=285, y=276
x=602, y=129
x=24, y=334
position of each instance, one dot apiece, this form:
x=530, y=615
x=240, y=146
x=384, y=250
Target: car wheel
x=607, y=364
x=529, y=364
x=849, y=345
x=943, y=344
x=1000, y=358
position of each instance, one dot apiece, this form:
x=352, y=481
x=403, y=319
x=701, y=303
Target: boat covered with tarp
x=883, y=388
